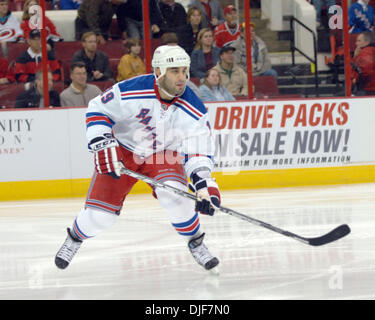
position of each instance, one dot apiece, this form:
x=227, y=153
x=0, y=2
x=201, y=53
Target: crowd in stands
x=209, y=32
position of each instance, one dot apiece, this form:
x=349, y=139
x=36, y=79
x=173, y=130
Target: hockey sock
x=90, y=222
x=180, y=211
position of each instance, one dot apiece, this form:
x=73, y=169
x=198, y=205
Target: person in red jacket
x=30, y=61
x=228, y=31
x=363, y=64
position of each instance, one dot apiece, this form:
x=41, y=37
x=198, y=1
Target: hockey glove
x=207, y=192
x=106, y=155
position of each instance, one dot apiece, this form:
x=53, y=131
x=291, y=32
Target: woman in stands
x=30, y=21
x=205, y=55
x=212, y=89
x=188, y=33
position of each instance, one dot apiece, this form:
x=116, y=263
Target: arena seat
x=103, y=85
x=65, y=49
x=9, y=94
x=113, y=48
x=15, y=49
x=266, y=85
x=196, y=81
x=114, y=63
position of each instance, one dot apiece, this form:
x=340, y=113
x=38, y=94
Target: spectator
x=10, y=27
x=97, y=62
x=169, y=38
x=96, y=16
x=26, y=25
x=205, y=56
x=69, y=4
x=188, y=33
x=212, y=12
x=6, y=72
x=29, y=62
x=261, y=62
x=79, y=93
x=131, y=64
x=229, y=30
x=361, y=17
x=231, y=74
x=318, y=4
x=33, y=98
x=130, y=18
x=173, y=15
x=364, y=64
x=212, y=89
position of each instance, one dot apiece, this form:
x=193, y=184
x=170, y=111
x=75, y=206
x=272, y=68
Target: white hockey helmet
x=169, y=56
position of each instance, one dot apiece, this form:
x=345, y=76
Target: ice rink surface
x=142, y=257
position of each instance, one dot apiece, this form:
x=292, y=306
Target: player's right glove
x=107, y=160
x=207, y=192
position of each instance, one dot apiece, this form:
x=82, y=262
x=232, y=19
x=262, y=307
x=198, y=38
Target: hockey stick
x=335, y=234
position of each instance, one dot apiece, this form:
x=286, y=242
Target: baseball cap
x=226, y=49
x=229, y=8
x=34, y=33
x=243, y=25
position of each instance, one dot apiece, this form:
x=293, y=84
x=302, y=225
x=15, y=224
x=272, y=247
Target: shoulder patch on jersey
x=140, y=87
x=142, y=82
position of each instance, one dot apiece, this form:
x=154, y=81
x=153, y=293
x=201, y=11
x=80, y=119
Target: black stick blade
x=335, y=234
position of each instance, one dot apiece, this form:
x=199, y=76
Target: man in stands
x=30, y=61
x=228, y=31
x=97, y=63
x=96, y=16
x=261, y=62
x=364, y=64
x=130, y=18
x=173, y=15
x=79, y=93
x=33, y=98
x=232, y=76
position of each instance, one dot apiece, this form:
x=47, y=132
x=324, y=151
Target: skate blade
x=214, y=271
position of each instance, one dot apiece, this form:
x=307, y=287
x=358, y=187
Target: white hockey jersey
x=10, y=29
x=141, y=122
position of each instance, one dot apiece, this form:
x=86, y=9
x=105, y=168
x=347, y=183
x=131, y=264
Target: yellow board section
x=22, y=190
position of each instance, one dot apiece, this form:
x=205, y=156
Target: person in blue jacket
x=361, y=17
x=212, y=90
x=70, y=4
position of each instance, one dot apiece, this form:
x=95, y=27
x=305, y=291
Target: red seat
x=9, y=94
x=196, y=81
x=266, y=85
x=15, y=49
x=114, y=64
x=16, y=5
x=64, y=50
x=103, y=85
x=113, y=49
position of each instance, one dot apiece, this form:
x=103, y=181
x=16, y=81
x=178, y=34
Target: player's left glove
x=107, y=160
x=207, y=192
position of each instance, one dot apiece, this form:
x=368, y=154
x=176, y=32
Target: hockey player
x=155, y=125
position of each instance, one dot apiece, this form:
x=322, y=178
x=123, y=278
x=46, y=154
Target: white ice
x=142, y=256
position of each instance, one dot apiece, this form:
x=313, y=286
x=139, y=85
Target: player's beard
x=171, y=87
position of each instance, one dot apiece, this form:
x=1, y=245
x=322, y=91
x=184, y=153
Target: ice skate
x=66, y=253
x=201, y=253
